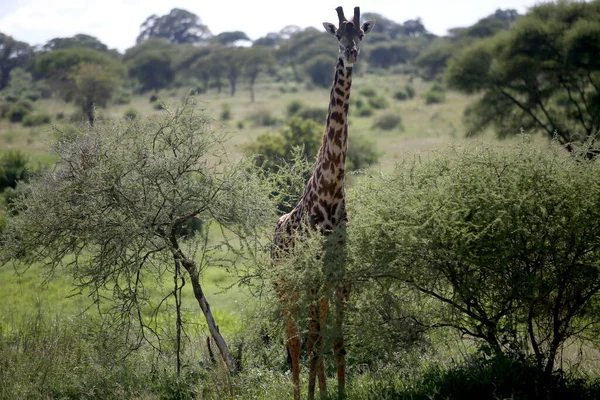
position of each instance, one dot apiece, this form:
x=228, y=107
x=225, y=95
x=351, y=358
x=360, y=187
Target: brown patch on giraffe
x=337, y=117
x=339, y=91
x=339, y=102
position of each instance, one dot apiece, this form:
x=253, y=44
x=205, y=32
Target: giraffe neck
x=324, y=193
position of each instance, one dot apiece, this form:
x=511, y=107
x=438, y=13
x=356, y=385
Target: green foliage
x=365, y=111
x=387, y=54
x=401, y=95
x=13, y=54
x=36, y=119
x=14, y=167
x=131, y=113
x=435, y=95
x=125, y=182
x=368, y=92
x=263, y=117
x=93, y=86
x=152, y=67
x=122, y=96
x=225, y=112
x=319, y=70
x=293, y=107
x=489, y=236
x=317, y=114
x=388, y=121
x=178, y=27
x=378, y=102
x=16, y=112
x=57, y=63
x=21, y=86
x=548, y=55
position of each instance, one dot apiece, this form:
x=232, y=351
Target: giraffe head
x=349, y=34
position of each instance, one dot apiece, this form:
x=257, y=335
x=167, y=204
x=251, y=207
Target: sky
x=116, y=22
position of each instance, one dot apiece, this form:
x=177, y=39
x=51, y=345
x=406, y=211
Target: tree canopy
x=543, y=74
x=12, y=54
x=179, y=27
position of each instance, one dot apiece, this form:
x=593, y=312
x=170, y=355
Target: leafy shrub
x=378, y=102
x=36, y=119
x=19, y=110
x=317, y=114
x=362, y=153
x=435, y=97
x=388, y=121
x=367, y=92
x=410, y=91
x=158, y=105
x=501, y=224
x=401, y=95
x=293, y=107
x=225, y=112
x=263, y=117
x=153, y=98
x=131, y=113
x=123, y=97
x=365, y=111
x=13, y=168
x=319, y=70
x=60, y=115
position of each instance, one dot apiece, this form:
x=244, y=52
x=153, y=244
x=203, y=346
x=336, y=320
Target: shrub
x=362, y=153
x=388, y=121
x=317, y=114
x=158, y=105
x=365, y=111
x=60, y=115
x=123, y=97
x=401, y=95
x=434, y=97
x=19, y=110
x=153, y=98
x=378, y=102
x=367, y=92
x=263, y=117
x=493, y=231
x=131, y=113
x=13, y=168
x=36, y=119
x=293, y=107
x=410, y=91
x=225, y=112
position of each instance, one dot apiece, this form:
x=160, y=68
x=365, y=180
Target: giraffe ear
x=367, y=26
x=330, y=28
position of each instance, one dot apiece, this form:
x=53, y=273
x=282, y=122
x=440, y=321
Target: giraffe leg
x=342, y=293
x=321, y=367
x=314, y=348
x=293, y=345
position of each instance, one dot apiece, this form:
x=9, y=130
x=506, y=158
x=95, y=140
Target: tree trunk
x=88, y=109
x=190, y=267
x=252, y=80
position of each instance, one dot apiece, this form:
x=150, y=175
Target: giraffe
x=323, y=207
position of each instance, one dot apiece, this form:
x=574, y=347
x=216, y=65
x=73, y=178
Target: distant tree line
x=537, y=71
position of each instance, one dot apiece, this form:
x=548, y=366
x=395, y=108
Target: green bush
x=317, y=114
x=410, y=91
x=365, y=111
x=434, y=97
x=131, y=113
x=122, y=97
x=378, y=102
x=263, y=117
x=368, y=92
x=36, y=119
x=225, y=112
x=19, y=110
x=153, y=98
x=388, y=121
x=502, y=225
x=14, y=167
x=401, y=95
x=60, y=115
x=293, y=107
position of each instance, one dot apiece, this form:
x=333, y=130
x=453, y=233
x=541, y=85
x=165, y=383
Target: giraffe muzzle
x=352, y=54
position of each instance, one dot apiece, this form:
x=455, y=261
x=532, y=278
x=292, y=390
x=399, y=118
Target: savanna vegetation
x=139, y=193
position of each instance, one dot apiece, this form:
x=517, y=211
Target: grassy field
x=425, y=129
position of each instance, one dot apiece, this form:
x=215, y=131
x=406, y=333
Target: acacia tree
x=255, y=59
x=503, y=242
x=543, y=74
x=114, y=210
x=93, y=86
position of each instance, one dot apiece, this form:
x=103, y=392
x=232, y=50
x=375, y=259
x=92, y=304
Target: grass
x=23, y=297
